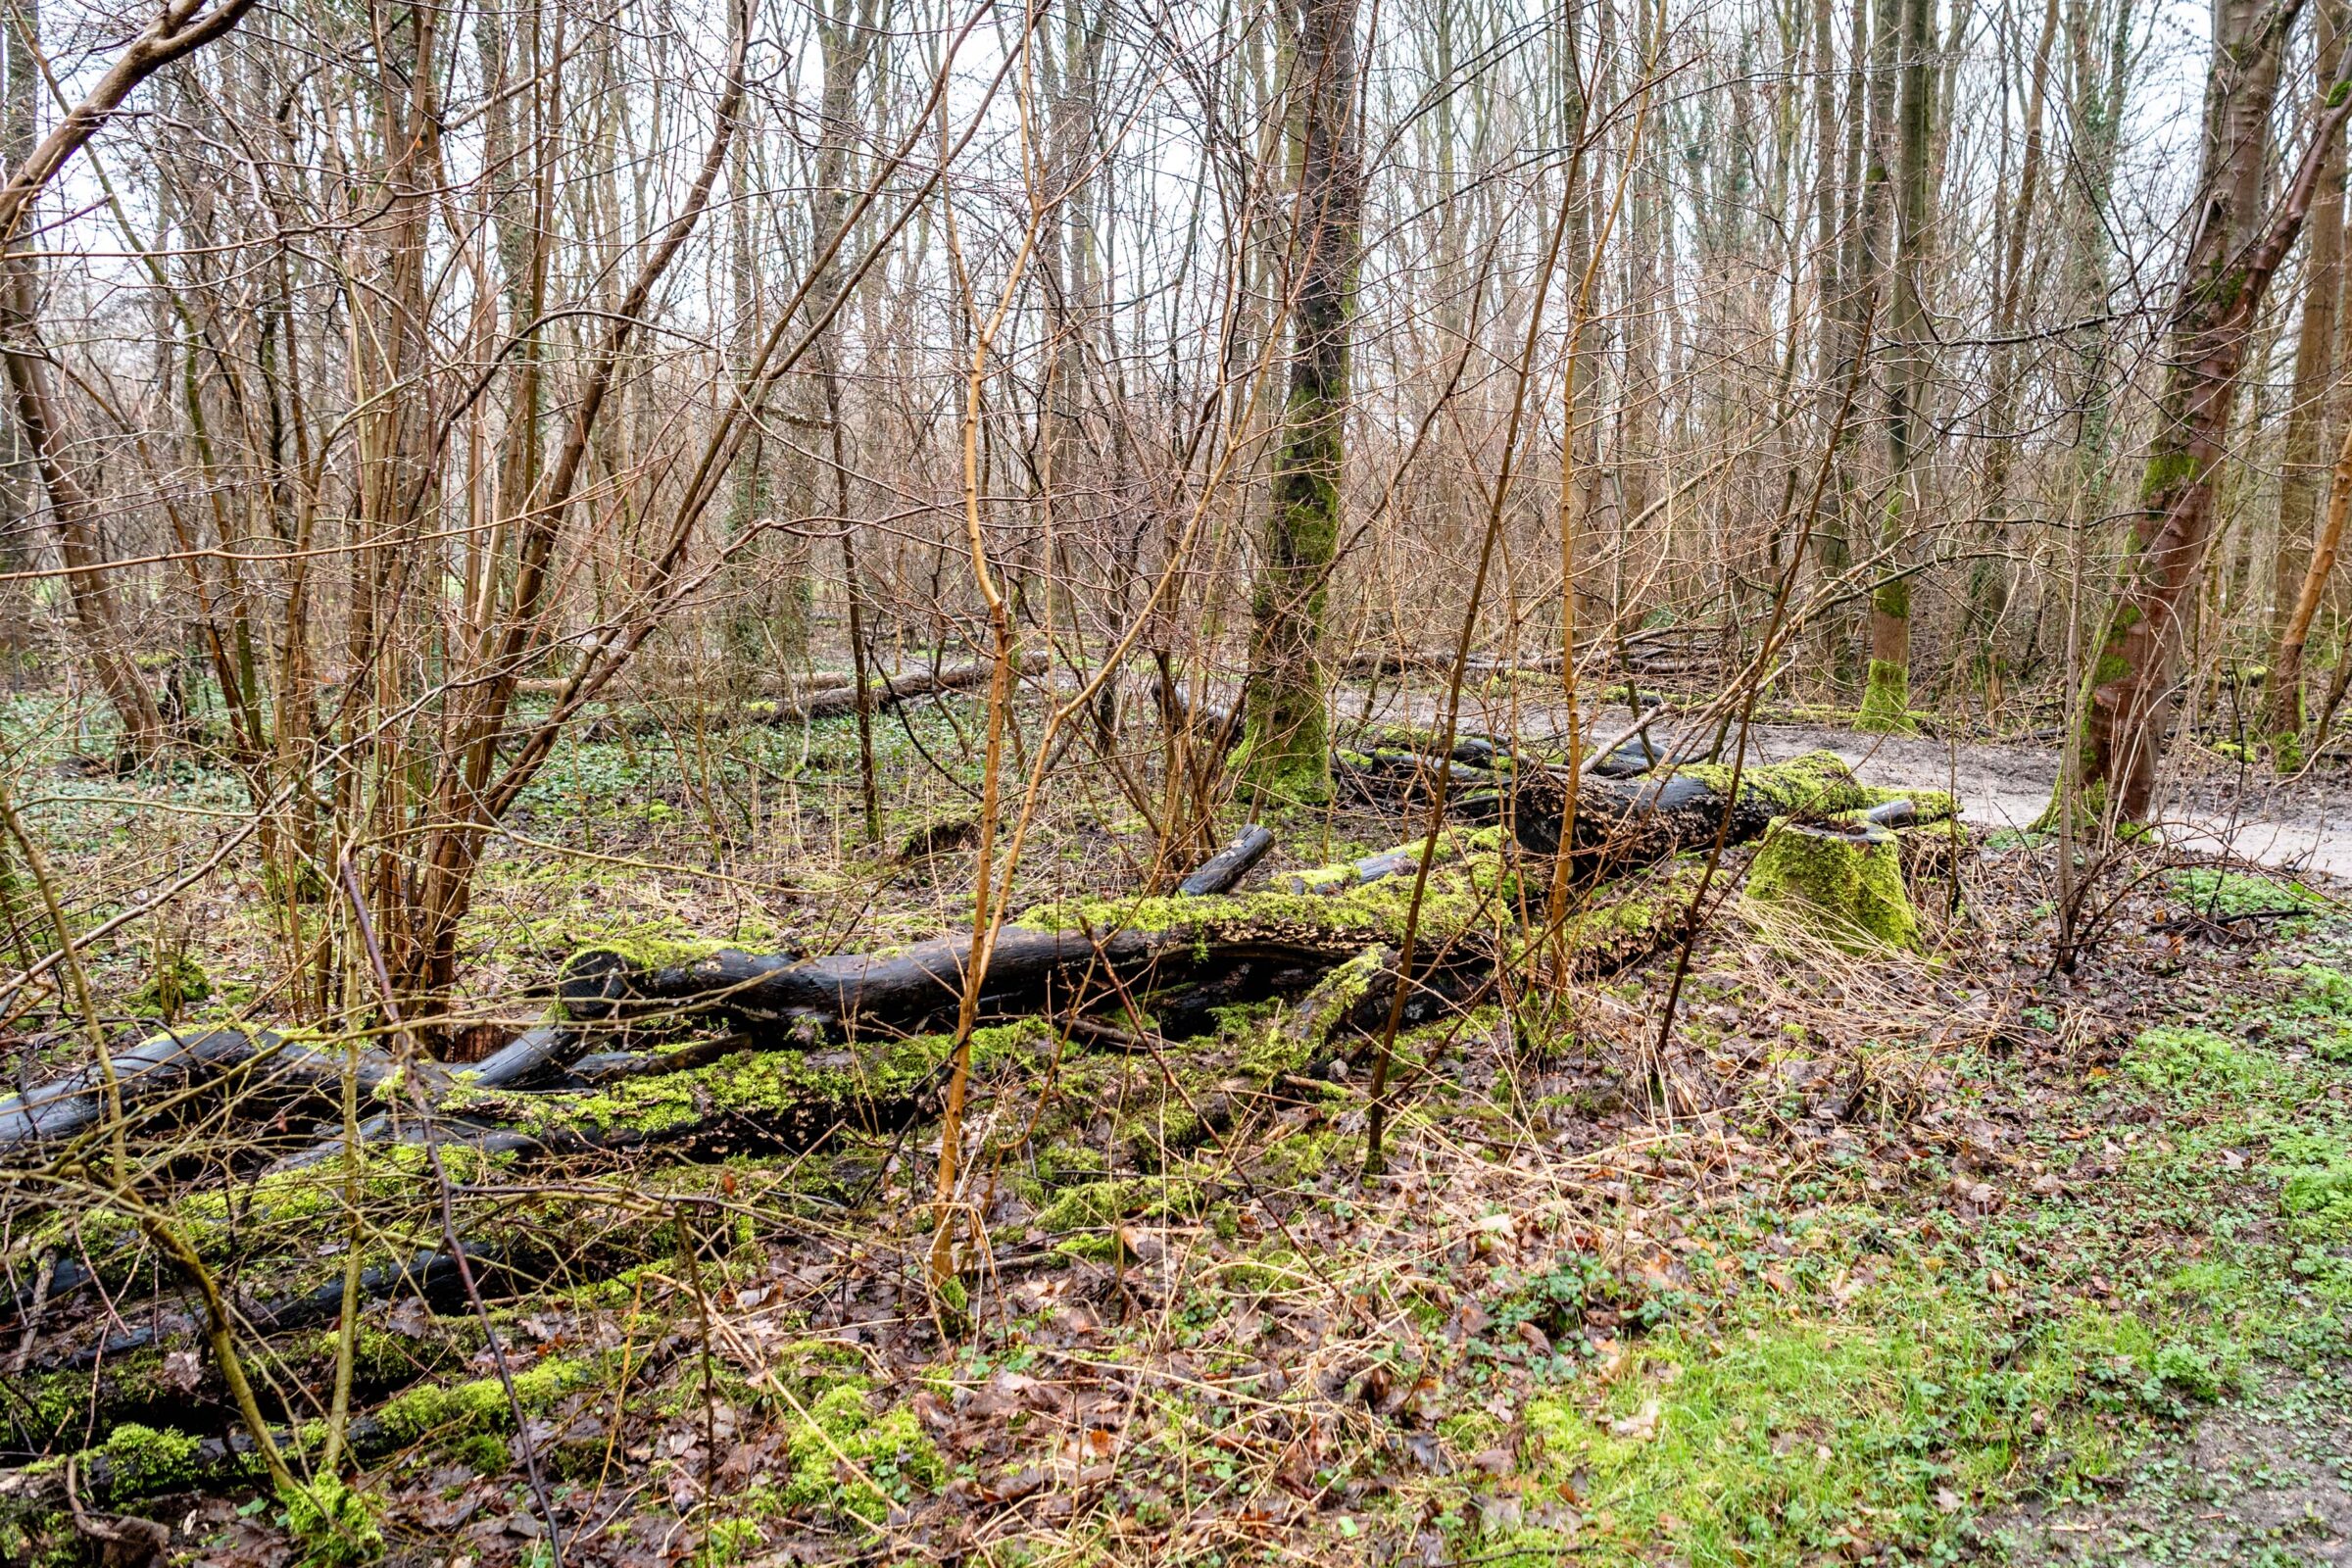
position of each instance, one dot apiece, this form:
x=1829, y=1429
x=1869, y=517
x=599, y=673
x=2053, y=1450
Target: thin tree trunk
x=1989, y=578
x=2308, y=423
x=98, y=618
x=1886, y=692
x=2240, y=241
x=1288, y=733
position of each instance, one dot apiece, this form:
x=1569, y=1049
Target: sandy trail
x=2303, y=825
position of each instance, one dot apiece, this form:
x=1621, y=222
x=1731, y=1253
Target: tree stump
x=1839, y=881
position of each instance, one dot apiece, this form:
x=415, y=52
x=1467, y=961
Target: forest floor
x=1946, y=1257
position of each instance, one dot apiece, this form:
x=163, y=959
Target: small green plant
x=2237, y=893
x=2190, y=1061
x=177, y=983
x=729, y=1541
x=2318, y=1200
x=2326, y=993
x=2188, y=1369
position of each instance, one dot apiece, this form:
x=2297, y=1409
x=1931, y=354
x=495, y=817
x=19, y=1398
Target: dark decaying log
x=1222, y=871
x=167, y=1063
x=920, y=986
x=1621, y=825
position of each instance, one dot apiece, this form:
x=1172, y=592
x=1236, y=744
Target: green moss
x=1887, y=700
x=457, y=1410
x=333, y=1524
x=1815, y=784
x=177, y=983
x=1848, y=891
x=1634, y=914
x=146, y=1459
x=769, y=1084
x=1099, y=1204
x=848, y=1463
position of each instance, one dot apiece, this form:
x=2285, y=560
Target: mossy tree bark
x=2240, y=239
x=1887, y=693
x=1846, y=294
x=1287, y=738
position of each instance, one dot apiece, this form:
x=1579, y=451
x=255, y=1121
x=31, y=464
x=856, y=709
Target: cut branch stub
x=1222, y=871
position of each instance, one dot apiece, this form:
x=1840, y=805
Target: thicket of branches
x=391, y=386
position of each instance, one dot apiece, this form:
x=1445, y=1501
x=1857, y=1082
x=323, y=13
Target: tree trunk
x=97, y=613
x=1288, y=738
x=2240, y=241
x=1887, y=693
x=1989, y=576
x=20, y=497
x=2316, y=408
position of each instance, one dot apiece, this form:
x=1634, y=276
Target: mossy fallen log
x=1622, y=823
x=1058, y=955
x=470, y=1420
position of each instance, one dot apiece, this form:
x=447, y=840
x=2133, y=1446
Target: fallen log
x=1059, y=951
x=1222, y=871
x=168, y=1064
x=764, y=1092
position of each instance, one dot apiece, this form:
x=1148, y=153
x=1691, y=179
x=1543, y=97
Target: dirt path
x=2302, y=825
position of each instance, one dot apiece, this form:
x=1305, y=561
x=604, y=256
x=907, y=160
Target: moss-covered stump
x=1839, y=881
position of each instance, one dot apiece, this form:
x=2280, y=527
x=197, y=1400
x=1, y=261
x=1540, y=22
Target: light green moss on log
x=1375, y=911
x=1635, y=917
x=457, y=1410
x=1815, y=785
x=1847, y=891
x=146, y=1459
x=1096, y=1205
x=757, y=1083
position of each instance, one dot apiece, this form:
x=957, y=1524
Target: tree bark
x=2316, y=406
x=1886, y=692
x=2240, y=241
x=1288, y=725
